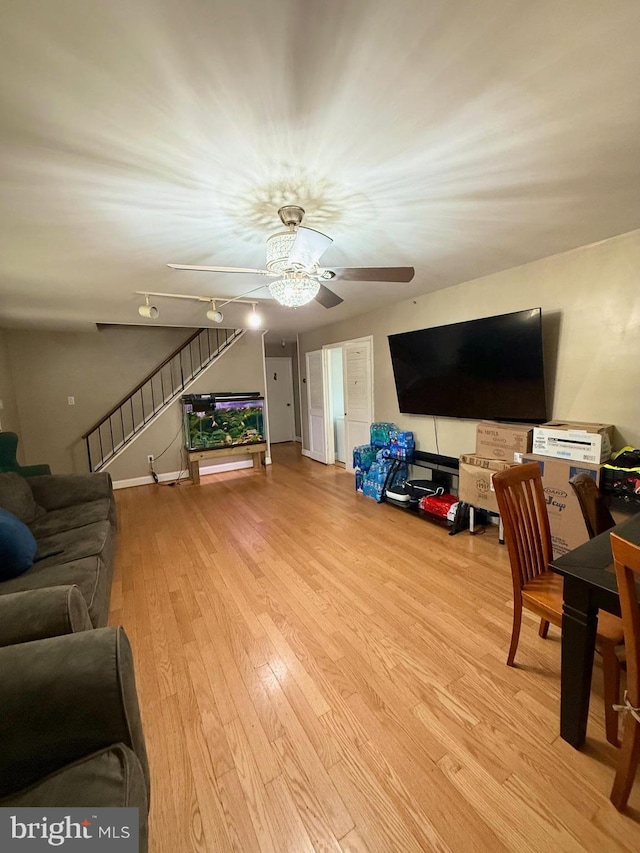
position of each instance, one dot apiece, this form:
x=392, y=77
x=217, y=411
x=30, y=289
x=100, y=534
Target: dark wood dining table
x=589, y=585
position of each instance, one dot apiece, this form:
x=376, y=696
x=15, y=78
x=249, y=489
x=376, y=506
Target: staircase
x=119, y=427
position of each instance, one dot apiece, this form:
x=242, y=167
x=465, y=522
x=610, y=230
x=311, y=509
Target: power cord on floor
x=156, y=479
x=183, y=470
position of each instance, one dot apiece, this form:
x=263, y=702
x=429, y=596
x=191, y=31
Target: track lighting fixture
x=214, y=315
x=254, y=320
x=148, y=310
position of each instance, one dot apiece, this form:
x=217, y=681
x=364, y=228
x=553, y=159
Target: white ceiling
x=459, y=137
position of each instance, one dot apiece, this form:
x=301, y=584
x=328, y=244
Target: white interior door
x=317, y=406
x=280, y=399
x=358, y=394
x=336, y=403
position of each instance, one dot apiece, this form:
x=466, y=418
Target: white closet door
x=317, y=406
x=358, y=394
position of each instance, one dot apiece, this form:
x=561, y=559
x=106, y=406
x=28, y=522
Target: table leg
x=258, y=460
x=579, y=624
x=194, y=471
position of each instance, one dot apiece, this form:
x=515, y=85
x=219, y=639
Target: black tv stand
x=448, y=464
x=443, y=469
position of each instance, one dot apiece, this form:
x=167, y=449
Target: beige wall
x=239, y=369
x=9, y=421
x=590, y=298
x=97, y=368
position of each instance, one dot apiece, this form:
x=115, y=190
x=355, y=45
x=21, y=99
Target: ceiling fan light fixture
x=294, y=292
x=278, y=248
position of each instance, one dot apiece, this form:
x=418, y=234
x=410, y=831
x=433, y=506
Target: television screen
x=481, y=369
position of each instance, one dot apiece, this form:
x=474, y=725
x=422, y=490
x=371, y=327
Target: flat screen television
x=490, y=368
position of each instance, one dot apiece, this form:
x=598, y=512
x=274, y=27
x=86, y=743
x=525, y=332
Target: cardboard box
x=503, y=441
x=475, y=485
x=579, y=442
x=567, y=525
x=480, y=462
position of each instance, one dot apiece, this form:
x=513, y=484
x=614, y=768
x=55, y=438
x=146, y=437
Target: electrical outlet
x=71, y=401
x=150, y=458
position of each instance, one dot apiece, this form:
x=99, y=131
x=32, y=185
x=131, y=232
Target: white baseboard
x=173, y=475
x=305, y=452
x=298, y=438
x=148, y=480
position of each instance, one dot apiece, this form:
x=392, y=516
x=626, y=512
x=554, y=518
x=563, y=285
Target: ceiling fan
x=293, y=258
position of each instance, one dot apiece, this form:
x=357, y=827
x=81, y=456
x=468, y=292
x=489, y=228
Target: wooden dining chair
x=626, y=560
x=594, y=510
x=523, y=510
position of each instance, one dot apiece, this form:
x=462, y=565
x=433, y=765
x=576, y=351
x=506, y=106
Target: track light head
x=148, y=310
x=214, y=315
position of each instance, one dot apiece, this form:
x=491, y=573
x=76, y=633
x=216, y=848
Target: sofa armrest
x=57, y=491
x=35, y=614
x=33, y=470
x=62, y=699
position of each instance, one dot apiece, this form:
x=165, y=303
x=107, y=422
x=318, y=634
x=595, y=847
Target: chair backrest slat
x=523, y=511
x=626, y=560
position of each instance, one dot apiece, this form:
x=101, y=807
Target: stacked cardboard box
x=577, y=442
x=498, y=446
x=563, y=449
x=503, y=441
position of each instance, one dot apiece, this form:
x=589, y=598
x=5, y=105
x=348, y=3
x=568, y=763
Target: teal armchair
x=9, y=462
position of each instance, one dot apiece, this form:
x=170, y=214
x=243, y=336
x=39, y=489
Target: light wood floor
x=320, y=672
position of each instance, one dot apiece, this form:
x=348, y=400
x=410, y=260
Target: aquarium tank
x=230, y=419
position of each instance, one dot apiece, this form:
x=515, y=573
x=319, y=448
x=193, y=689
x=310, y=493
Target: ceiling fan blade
x=327, y=298
x=219, y=269
x=308, y=247
x=373, y=273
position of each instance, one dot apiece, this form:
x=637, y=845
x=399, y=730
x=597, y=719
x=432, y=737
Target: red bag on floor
x=438, y=505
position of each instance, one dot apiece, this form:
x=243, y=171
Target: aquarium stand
x=256, y=450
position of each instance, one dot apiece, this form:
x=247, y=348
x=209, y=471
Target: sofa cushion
x=112, y=777
x=17, y=546
x=17, y=498
x=70, y=545
x=92, y=575
x=70, y=518
x=61, y=490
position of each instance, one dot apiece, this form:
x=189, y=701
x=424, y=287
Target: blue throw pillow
x=17, y=546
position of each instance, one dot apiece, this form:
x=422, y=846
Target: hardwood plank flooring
x=318, y=672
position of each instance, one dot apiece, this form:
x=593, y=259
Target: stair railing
x=122, y=423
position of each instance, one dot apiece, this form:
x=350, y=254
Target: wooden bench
x=255, y=450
